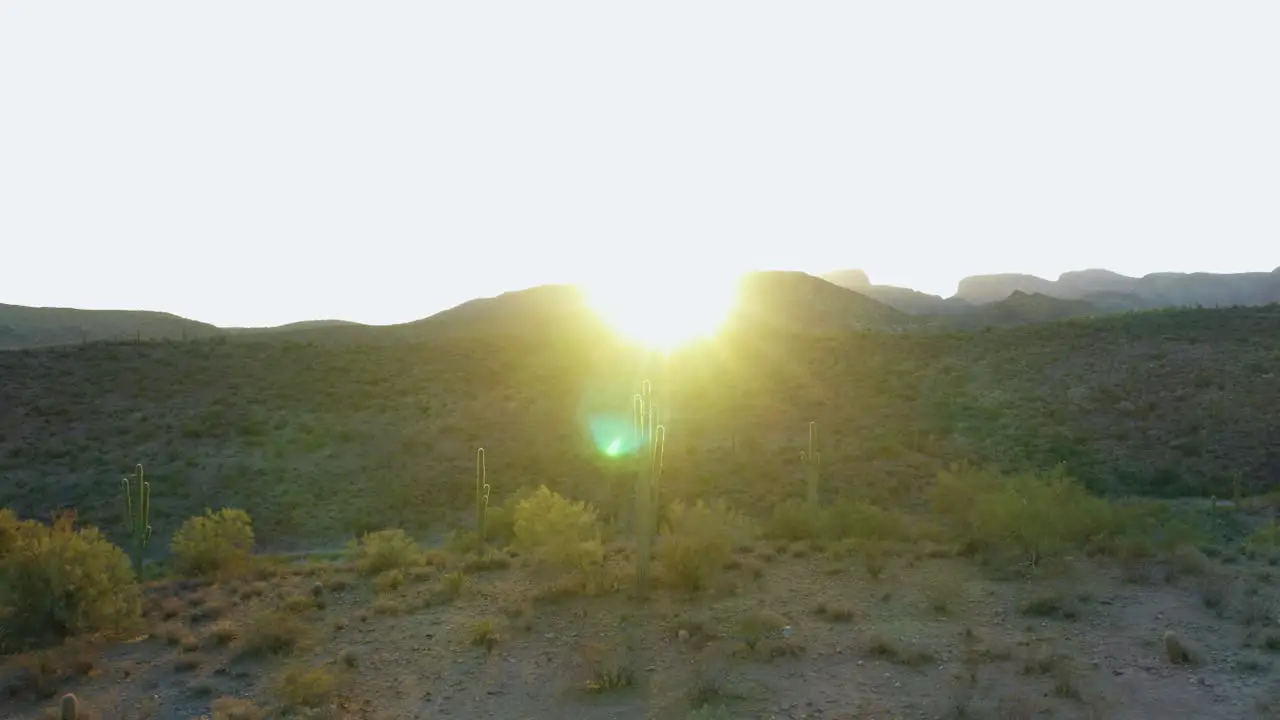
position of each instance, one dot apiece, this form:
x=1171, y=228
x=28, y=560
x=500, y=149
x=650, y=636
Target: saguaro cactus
x=482, y=497
x=650, y=442
x=137, y=518
x=811, y=460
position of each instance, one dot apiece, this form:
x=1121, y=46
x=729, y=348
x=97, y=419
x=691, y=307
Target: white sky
x=265, y=161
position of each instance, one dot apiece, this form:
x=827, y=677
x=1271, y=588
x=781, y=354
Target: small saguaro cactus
x=137, y=518
x=482, y=497
x=69, y=707
x=650, y=442
x=811, y=459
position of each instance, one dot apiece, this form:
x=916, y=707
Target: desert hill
x=318, y=440
x=774, y=298
x=22, y=326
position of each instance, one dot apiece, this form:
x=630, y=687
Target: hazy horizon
x=252, y=164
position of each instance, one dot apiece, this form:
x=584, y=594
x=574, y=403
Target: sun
x=663, y=310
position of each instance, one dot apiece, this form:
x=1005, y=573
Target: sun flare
x=666, y=310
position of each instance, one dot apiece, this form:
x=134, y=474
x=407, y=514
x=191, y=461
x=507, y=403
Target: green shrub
x=546, y=523
x=10, y=526
x=500, y=526
x=57, y=581
x=1265, y=539
x=307, y=688
x=794, y=520
x=214, y=543
x=864, y=521
x=697, y=541
x=273, y=633
x=1028, y=516
x=561, y=534
x=384, y=550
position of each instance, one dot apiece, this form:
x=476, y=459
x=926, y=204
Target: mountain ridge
x=818, y=302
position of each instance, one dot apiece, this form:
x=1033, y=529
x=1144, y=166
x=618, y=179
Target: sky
x=262, y=162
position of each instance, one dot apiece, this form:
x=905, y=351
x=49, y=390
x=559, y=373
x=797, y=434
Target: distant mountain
x=842, y=299
x=979, y=289
x=796, y=299
x=907, y=300
x=292, y=327
x=770, y=298
x=1020, y=309
x=1104, y=291
x=1123, y=292
x=22, y=326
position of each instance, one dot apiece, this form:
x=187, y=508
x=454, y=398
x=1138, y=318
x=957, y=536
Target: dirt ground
x=785, y=633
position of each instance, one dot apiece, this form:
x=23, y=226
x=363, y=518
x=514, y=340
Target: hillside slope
x=798, y=300
x=22, y=326
x=321, y=440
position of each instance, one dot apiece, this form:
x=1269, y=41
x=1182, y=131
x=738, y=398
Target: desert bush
x=757, y=626
x=500, y=524
x=697, y=541
x=389, y=581
x=273, y=633
x=1148, y=528
x=222, y=633
x=451, y=585
x=560, y=533
x=229, y=708
x=546, y=523
x=214, y=543
x=10, y=527
x=794, y=520
x=864, y=521
x=1027, y=516
x=484, y=633
x=609, y=668
x=1265, y=539
x=57, y=581
x=307, y=688
x=377, y=552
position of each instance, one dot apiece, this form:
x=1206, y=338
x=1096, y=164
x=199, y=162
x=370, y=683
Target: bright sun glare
x=663, y=310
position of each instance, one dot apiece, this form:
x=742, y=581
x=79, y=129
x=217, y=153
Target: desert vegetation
x=1002, y=524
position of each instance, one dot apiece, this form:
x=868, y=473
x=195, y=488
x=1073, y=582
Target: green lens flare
x=612, y=434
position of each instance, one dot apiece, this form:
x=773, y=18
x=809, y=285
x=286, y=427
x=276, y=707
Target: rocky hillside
x=318, y=440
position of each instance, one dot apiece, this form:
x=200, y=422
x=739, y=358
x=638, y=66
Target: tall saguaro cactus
x=482, y=497
x=651, y=439
x=811, y=460
x=137, y=518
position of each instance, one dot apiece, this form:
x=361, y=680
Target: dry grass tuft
x=305, y=688
x=273, y=633
x=222, y=633
x=484, y=633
